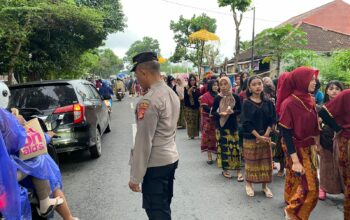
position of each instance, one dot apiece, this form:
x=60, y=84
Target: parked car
x=73, y=108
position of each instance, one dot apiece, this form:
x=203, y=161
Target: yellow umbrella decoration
x=202, y=35
x=162, y=60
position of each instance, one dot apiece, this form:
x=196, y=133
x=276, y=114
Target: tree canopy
x=39, y=38
x=275, y=42
x=236, y=6
x=144, y=45
x=183, y=28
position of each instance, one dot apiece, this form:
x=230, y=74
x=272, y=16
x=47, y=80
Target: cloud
x=152, y=18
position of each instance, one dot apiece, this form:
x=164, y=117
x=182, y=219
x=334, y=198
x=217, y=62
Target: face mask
x=4, y=95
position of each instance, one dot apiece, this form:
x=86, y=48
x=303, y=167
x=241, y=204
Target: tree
x=245, y=45
x=171, y=68
x=112, y=10
x=40, y=38
x=144, y=45
x=236, y=7
x=297, y=58
x=335, y=68
x=108, y=64
x=275, y=42
x=185, y=49
x=211, y=55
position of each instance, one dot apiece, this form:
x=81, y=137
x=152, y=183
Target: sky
x=152, y=18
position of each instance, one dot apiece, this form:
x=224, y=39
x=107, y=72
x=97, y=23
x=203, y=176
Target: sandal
x=249, y=190
x=226, y=175
x=274, y=167
x=210, y=162
x=280, y=173
x=268, y=192
x=240, y=178
x=58, y=201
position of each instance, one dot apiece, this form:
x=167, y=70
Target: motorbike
x=120, y=94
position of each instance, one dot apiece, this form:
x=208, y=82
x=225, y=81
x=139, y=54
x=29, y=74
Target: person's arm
x=13, y=132
x=238, y=105
x=288, y=139
x=214, y=109
x=206, y=108
x=248, y=118
x=327, y=119
x=146, y=127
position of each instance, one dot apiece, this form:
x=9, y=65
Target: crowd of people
x=255, y=122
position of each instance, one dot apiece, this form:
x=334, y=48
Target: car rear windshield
x=43, y=97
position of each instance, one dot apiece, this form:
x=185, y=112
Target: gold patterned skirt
x=228, y=150
x=258, y=161
x=192, y=122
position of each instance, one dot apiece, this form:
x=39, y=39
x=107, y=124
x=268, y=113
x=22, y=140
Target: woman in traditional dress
x=191, y=101
x=270, y=94
x=179, y=88
x=225, y=109
x=208, y=143
x=258, y=119
x=300, y=130
x=138, y=88
x=336, y=114
x=330, y=177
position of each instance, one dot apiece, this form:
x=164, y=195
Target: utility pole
x=253, y=39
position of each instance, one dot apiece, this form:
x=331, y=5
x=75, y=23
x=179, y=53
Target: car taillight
x=78, y=113
x=77, y=109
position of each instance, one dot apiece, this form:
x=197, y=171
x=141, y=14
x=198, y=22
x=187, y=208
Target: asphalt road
x=98, y=189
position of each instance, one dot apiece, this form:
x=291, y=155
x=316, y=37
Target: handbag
x=35, y=142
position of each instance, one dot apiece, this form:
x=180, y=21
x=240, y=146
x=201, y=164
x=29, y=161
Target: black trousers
x=157, y=191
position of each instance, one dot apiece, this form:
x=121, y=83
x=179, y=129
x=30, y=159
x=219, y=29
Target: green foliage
x=245, y=45
x=144, y=45
x=297, y=58
x=112, y=11
x=170, y=68
x=183, y=28
x=108, y=64
x=336, y=67
x=240, y=5
x=278, y=41
x=42, y=39
x=211, y=55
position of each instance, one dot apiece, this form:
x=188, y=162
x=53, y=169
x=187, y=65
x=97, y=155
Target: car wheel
x=96, y=150
x=109, y=127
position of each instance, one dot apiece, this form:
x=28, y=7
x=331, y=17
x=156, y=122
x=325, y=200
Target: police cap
x=142, y=58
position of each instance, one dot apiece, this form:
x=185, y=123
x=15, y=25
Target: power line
x=213, y=11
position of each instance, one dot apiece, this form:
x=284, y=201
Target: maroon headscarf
x=297, y=83
x=296, y=106
x=339, y=109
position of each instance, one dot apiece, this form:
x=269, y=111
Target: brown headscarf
x=227, y=101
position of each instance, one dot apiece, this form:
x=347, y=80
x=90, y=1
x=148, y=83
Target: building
x=327, y=28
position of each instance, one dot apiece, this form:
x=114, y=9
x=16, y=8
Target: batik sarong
x=258, y=161
x=192, y=122
x=301, y=191
x=229, y=153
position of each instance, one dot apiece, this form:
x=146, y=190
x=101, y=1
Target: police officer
x=154, y=157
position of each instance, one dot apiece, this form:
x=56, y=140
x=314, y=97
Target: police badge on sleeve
x=142, y=108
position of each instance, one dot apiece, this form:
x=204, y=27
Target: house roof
x=333, y=16
x=327, y=28
x=322, y=40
